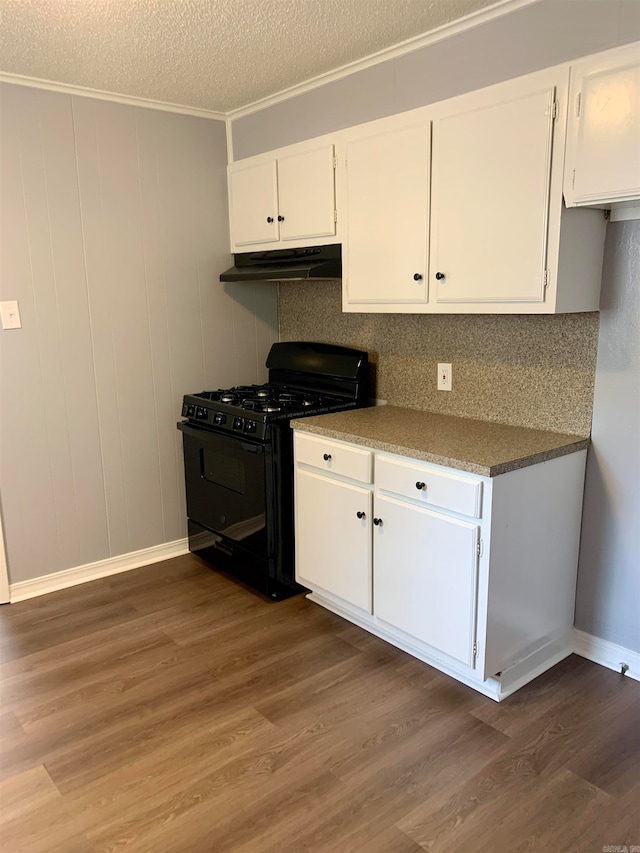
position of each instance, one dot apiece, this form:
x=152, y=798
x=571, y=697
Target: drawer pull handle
x=421, y=486
x=361, y=514
x=326, y=457
x=377, y=521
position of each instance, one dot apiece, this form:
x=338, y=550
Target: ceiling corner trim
x=474, y=19
x=129, y=100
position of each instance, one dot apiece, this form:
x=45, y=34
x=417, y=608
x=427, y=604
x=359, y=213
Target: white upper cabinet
x=387, y=202
x=603, y=145
x=307, y=204
x=490, y=202
x=287, y=200
x=253, y=195
x=457, y=208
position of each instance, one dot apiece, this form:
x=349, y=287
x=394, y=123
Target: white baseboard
x=101, y=569
x=606, y=654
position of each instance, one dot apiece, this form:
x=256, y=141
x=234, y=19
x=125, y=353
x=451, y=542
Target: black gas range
x=238, y=453
x=251, y=409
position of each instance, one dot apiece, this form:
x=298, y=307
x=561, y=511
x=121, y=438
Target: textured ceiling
x=210, y=54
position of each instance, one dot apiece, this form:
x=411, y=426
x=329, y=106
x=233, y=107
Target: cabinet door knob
x=377, y=521
x=439, y=276
x=421, y=486
x=417, y=276
x=361, y=515
x=269, y=219
x=326, y=457
x=281, y=219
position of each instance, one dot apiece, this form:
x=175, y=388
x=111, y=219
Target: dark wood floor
x=168, y=709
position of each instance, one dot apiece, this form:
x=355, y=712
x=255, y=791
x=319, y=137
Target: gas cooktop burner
x=271, y=398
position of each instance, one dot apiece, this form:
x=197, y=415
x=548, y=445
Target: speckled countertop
x=480, y=447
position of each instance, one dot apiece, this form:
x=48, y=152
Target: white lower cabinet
x=334, y=537
x=425, y=575
x=473, y=575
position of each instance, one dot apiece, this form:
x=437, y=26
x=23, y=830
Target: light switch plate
x=10, y=315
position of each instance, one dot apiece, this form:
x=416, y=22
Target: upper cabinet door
x=306, y=187
x=603, y=149
x=387, y=189
x=253, y=192
x=490, y=199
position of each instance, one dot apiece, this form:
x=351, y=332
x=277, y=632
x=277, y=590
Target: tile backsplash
x=525, y=370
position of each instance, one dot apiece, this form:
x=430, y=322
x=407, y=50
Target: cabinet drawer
x=327, y=455
x=437, y=488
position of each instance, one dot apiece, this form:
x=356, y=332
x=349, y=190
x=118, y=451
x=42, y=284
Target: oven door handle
x=203, y=433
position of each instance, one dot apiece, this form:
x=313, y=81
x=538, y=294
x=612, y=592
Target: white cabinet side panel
x=535, y=533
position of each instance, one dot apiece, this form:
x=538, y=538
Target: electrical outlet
x=10, y=315
x=445, y=377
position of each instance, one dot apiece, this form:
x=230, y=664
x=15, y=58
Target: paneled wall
x=113, y=233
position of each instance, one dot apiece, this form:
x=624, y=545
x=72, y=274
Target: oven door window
x=226, y=487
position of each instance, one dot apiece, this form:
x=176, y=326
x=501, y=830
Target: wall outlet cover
x=445, y=376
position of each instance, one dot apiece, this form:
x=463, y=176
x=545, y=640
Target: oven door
x=226, y=484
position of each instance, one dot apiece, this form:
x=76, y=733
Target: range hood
x=317, y=262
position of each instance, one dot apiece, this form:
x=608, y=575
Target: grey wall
x=608, y=600
x=537, y=36
x=113, y=229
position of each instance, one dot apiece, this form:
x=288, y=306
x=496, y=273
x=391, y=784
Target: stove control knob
x=249, y=426
x=191, y=410
x=219, y=418
x=202, y=413
x=237, y=423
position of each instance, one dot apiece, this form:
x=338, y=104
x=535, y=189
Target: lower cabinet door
x=333, y=543
x=425, y=575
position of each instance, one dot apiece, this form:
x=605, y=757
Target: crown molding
x=129, y=100
x=474, y=19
